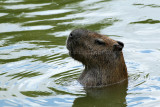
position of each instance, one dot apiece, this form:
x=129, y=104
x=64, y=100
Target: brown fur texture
x=102, y=57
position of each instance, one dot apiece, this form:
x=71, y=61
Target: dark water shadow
x=111, y=96
x=148, y=21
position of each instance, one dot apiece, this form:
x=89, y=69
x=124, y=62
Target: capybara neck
x=102, y=57
x=104, y=75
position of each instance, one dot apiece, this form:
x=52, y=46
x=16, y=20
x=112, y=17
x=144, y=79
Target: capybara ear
x=100, y=42
x=120, y=43
x=117, y=47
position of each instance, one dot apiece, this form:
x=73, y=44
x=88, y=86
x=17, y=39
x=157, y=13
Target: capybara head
x=92, y=48
x=99, y=54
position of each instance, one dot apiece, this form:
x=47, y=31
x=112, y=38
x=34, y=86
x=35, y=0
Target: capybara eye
x=100, y=42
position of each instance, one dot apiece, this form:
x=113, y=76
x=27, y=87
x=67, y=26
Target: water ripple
x=36, y=69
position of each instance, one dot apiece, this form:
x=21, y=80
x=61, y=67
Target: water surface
x=36, y=70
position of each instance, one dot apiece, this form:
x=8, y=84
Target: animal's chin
x=73, y=54
x=70, y=49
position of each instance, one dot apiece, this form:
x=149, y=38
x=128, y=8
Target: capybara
x=102, y=57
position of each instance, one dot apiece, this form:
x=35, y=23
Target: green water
x=36, y=70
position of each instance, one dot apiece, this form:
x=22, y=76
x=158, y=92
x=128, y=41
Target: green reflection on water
x=64, y=73
x=4, y=61
x=22, y=75
x=3, y=89
x=102, y=24
x=148, y=21
x=35, y=93
x=3, y=73
x=34, y=35
x=59, y=92
x=150, y=5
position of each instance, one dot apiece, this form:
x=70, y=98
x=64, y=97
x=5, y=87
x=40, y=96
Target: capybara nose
x=74, y=35
x=77, y=33
x=71, y=35
x=120, y=43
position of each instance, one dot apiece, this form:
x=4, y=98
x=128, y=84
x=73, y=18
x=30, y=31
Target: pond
x=36, y=70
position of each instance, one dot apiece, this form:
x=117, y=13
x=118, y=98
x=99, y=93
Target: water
x=36, y=70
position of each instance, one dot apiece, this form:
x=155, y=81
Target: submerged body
x=102, y=57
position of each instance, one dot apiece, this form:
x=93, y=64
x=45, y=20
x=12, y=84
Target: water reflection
x=112, y=96
x=148, y=21
x=36, y=69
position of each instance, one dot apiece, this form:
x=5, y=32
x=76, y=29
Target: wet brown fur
x=104, y=65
